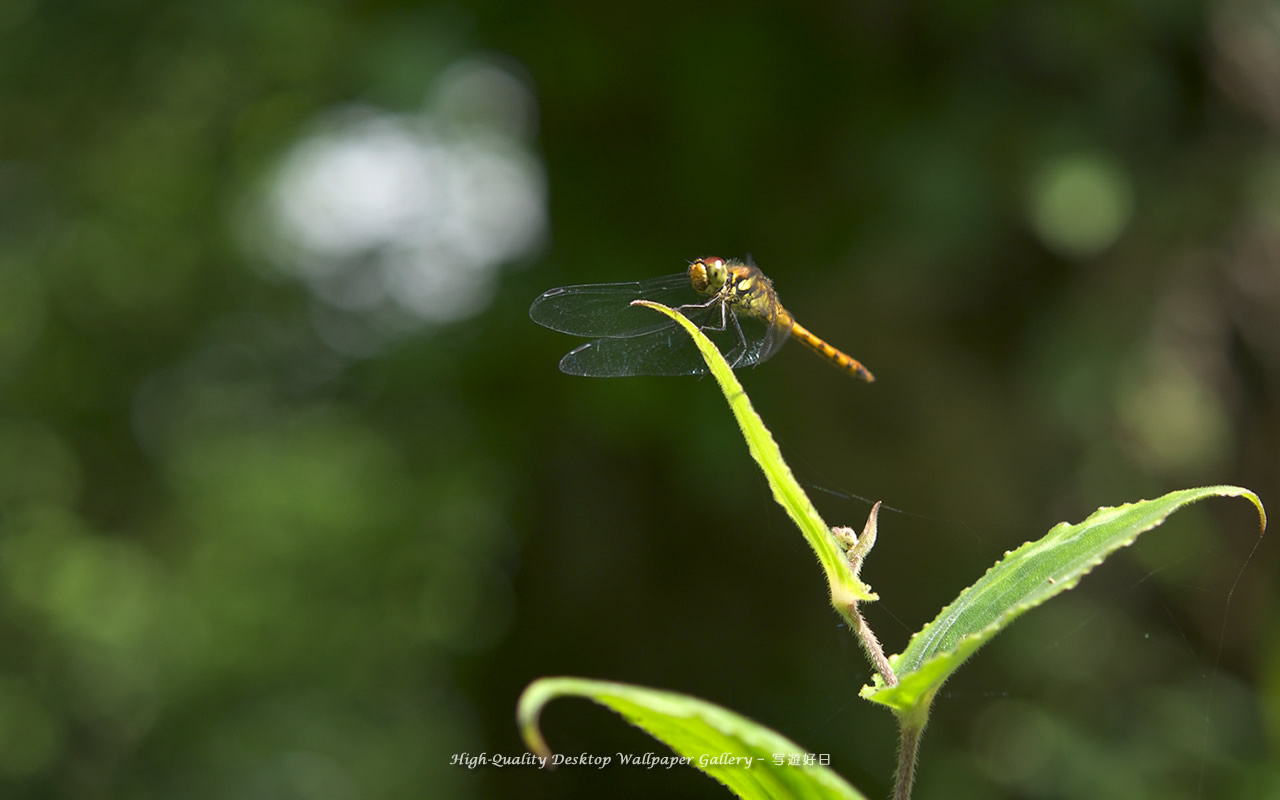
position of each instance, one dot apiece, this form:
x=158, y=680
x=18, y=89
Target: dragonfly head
x=708, y=275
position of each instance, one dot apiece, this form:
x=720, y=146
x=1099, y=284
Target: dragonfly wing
x=660, y=353
x=604, y=309
x=670, y=350
x=763, y=339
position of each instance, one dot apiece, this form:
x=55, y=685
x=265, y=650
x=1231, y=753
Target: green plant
x=756, y=762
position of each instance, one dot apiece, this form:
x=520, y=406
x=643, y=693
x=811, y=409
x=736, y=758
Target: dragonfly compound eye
x=708, y=275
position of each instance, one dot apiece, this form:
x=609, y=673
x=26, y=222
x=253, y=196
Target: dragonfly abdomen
x=838, y=358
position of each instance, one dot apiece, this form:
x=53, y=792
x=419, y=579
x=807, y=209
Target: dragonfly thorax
x=742, y=287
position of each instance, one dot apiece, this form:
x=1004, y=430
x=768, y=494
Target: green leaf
x=845, y=586
x=734, y=750
x=1023, y=579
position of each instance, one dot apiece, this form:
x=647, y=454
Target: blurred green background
x=294, y=501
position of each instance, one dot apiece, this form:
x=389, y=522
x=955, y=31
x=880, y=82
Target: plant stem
x=911, y=722
x=871, y=646
x=908, y=750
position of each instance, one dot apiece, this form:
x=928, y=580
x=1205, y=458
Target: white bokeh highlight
x=410, y=215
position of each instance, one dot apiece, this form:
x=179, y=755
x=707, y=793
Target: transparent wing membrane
x=604, y=309
x=670, y=351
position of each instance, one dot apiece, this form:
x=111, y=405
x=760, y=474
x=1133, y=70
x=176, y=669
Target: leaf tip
x=1262, y=513
x=528, y=709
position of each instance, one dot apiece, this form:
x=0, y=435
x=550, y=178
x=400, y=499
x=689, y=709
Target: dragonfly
x=733, y=302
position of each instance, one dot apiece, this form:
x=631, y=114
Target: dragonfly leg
x=725, y=316
x=724, y=313
x=742, y=339
x=698, y=306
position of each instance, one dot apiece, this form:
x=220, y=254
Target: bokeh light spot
x=408, y=216
x=1080, y=204
x=1176, y=420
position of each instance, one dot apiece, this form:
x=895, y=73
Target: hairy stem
x=908, y=750
x=871, y=646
